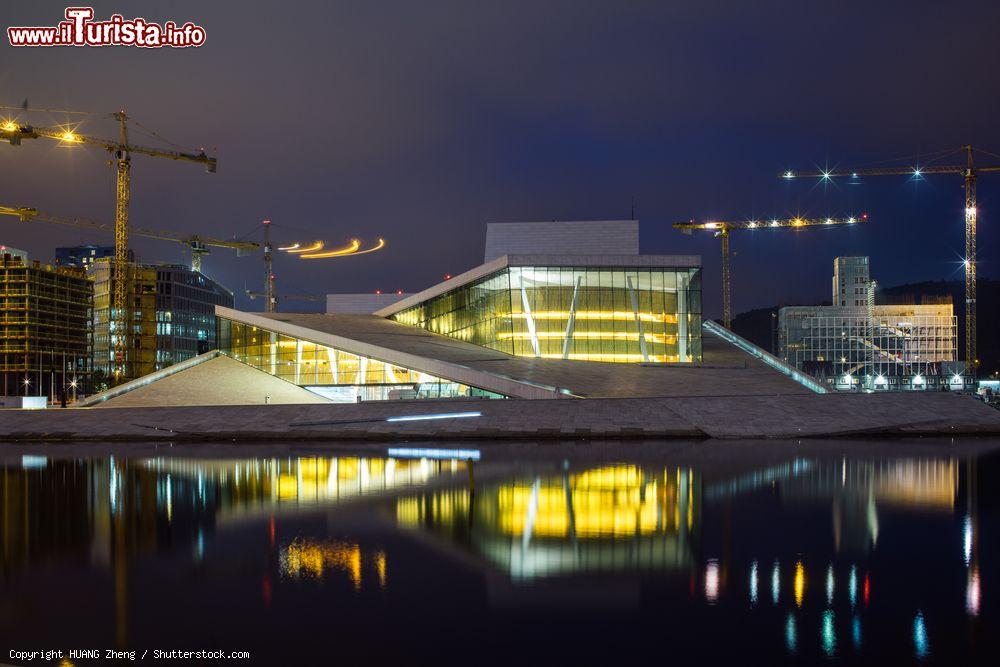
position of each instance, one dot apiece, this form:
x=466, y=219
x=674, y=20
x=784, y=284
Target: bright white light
x=28, y=461
x=965, y=263
x=774, y=223
x=829, y=221
x=972, y=593
x=711, y=225
x=916, y=172
x=919, y=379
x=854, y=174
x=789, y=174
x=967, y=535
x=826, y=175
x=411, y=453
x=444, y=415
x=753, y=224
x=712, y=580
x=970, y=211
x=851, y=220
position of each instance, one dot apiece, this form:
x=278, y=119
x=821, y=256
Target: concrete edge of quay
x=716, y=417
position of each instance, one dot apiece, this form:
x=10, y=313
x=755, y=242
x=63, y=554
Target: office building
x=884, y=348
x=45, y=317
x=172, y=318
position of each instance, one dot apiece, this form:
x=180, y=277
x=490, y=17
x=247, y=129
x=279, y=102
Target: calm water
x=671, y=553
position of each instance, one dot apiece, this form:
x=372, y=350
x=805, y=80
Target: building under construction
x=857, y=344
x=45, y=315
x=172, y=316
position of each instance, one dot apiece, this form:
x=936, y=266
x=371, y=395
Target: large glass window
x=334, y=374
x=587, y=314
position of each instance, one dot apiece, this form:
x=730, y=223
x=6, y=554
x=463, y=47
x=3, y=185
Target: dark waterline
x=579, y=553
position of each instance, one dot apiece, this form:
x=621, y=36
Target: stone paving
x=731, y=417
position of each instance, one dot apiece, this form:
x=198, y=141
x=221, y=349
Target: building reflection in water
x=856, y=491
x=310, y=558
x=606, y=519
x=108, y=510
x=609, y=518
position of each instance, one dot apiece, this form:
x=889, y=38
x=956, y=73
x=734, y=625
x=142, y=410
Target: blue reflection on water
x=828, y=634
x=856, y=632
x=791, y=634
x=921, y=645
x=753, y=582
x=775, y=583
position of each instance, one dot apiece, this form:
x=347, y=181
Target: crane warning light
x=864, y=216
x=399, y=291
x=378, y=291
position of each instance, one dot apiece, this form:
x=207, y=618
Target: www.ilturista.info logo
x=79, y=29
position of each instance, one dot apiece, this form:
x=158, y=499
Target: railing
x=766, y=357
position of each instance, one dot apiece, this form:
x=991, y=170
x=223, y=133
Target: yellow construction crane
x=199, y=244
x=968, y=171
x=722, y=229
x=14, y=132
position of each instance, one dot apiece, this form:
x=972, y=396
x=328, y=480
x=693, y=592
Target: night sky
x=423, y=121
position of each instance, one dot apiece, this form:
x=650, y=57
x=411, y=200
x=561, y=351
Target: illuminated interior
x=339, y=376
x=611, y=315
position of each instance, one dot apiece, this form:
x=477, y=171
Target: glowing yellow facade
x=335, y=374
x=585, y=314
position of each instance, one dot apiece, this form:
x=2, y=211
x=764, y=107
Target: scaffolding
x=45, y=345
x=140, y=354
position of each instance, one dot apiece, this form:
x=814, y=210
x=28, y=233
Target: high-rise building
x=850, y=281
x=890, y=347
x=173, y=316
x=45, y=315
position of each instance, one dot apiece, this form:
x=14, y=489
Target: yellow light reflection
x=349, y=249
x=311, y=558
x=380, y=569
x=800, y=583
x=317, y=245
x=68, y=136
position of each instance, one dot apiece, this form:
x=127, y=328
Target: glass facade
x=584, y=314
x=334, y=374
x=900, y=347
